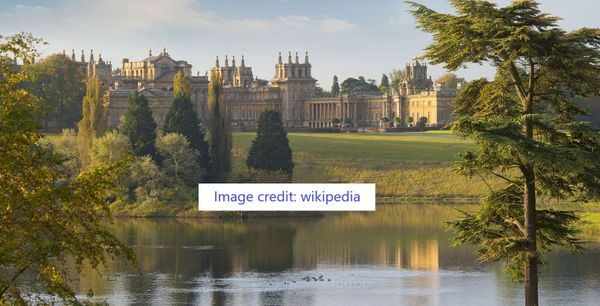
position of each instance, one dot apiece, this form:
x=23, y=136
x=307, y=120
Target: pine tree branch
x=506, y=179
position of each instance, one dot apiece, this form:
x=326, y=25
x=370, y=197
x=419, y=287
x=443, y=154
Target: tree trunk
x=531, y=274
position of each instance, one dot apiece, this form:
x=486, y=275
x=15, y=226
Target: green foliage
x=94, y=121
x=270, y=149
x=181, y=85
x=320, y=93
x=47, y=217
x=179, y=159
x=396, y=75
x=523, y=121
x=335, y=88
x=409, y=120
x=422, y=122
x=219, y=121
x=59, y=82
x=65, y=145
x=397, y=120
x=351, y=85
x=384, y=86
x=498, y=229
x=110, y=148
x=450, y=80
x=183, y=119
x=251, y=175
x=139, y=126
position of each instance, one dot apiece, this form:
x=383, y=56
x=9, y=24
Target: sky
x=346, y=38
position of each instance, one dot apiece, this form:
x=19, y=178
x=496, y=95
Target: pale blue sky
x=347, y=38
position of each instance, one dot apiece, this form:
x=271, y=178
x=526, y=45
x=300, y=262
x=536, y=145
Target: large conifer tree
x=219, y=123
x=183, y=119
x=271, y=148
x=139, y=126
x=523, y=122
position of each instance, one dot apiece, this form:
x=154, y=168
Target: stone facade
x=291, y=91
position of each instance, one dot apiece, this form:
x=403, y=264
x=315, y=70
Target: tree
x=94, y=120
x=219, y=121
x=409, y=121
x=110, y=148
x=47, y=217
x=179, y=159
x=385, y=84
x=320, y=93
x=183, y=119
x=181, y=85
x=270, y=149
x=523, y=122
x=60, y=84
x=357, y=85
x=396, y=76
x=335, y=88
x=139, y=126
x=450, y=80
x=422, y=122
x=397, y=121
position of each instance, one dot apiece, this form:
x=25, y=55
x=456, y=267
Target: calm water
x=399, y=255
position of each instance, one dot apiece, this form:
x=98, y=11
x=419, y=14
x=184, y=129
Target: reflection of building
x=424, y=255
x=291, y=91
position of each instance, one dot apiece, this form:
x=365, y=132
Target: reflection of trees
x=185, y=249
x=408, y=236
x=197, y=256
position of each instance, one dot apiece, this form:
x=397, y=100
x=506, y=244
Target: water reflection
x=397, y=255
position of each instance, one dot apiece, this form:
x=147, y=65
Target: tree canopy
x=47, y=216
x=384, y=86
x=219, y=122
x=183, y=119
x=139, y=126
x=357, y=85
x=523, y=122
x=335, y=88
x=94, y=120
x=271, y=149
x=60, y=84
x=450, y=80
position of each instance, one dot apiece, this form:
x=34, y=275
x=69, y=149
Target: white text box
x=286, y=197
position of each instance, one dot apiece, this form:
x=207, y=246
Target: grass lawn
x=419, y=147
x=402, y=165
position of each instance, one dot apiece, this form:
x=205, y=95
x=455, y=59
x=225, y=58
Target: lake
x=398, y=255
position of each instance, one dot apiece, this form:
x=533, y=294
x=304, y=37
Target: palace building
x=292, y=91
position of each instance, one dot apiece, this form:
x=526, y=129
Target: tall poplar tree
x=219, y=123
x=181, y=85
x=94, y=119
x=139, y=126
x=523, y=122
x=335, y=88
x=183, y=119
